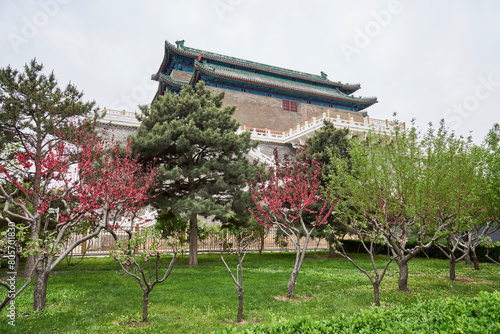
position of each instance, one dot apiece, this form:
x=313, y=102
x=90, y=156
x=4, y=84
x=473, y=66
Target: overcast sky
x=423, y=59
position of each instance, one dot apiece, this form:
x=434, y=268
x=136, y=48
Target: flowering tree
x=89, y=186
x=283, y=198
x=148, y=243
x=32, y=109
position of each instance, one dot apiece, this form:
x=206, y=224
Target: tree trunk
x=40, y=288
x=145, y=300
x=474, y=258
x=193, y=240
x=453, y=262
x=331, y=250
x=30, y=263
x=240, y=305
x=262, y=240
x=16, y=266
x=291, y=282
x=403, y=275
x=376, y=293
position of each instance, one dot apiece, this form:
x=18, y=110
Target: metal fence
x=272, y=241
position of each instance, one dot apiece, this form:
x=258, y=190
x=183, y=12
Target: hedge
x=452, y=315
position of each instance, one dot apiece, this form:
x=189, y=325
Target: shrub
x=452, y=315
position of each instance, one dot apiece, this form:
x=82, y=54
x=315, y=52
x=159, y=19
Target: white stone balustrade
x=119, y=117
x=299, y=134
x=295, y=136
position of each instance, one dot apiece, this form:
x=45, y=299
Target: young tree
x=282, y=199
x=369, y=239
x=32, y=108
x=358, y=219
x=202, y=159
x=148, y=243
x=245, y=236
x=408, y=188
x=451, y=189
x=90, y=187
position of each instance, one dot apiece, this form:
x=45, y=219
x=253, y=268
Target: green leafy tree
x=201, y=157
x=454, y=184
x=408, y=187
x=491, y=212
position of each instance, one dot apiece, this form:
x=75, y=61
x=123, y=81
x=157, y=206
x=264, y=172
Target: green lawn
x=96, y=297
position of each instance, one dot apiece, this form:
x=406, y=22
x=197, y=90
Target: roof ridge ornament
x=324, y=75
x=180, y=44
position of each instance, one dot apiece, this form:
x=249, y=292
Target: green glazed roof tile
x=318, y=78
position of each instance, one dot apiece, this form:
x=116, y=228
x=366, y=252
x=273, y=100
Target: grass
x=96, y=297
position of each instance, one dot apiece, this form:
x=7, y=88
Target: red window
x=290, y=105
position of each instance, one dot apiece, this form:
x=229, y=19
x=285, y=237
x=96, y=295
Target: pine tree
x=201, y=157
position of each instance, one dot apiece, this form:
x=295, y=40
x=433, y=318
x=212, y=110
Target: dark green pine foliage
x=32, y=106
x=328, y=138
x=201, y=158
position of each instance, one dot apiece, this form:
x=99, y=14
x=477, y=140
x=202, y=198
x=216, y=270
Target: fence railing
x=272, y=241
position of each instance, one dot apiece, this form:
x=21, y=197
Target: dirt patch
x=234, y=322
x=467, y=280
x=296, y=299
x=137, y=324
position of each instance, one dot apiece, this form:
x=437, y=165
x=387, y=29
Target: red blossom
x=292, y=188
x=84, y=176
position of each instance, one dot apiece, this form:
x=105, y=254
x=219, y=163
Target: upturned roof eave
x=195, y=53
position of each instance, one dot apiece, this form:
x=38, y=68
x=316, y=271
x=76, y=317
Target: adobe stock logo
x=224, y=6
x=461, y=111
x=31, y=27
x=363, y=37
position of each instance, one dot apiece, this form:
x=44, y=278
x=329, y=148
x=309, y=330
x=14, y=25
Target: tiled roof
x=172, y=81
x=275, y=82
x=273, y=69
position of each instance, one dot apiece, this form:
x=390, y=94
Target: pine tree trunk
x=240, y=305
x=40, y=288
x=145, y=300
x=474, y=258
x=403, y=275
x=193, y=240
x=376, y=292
